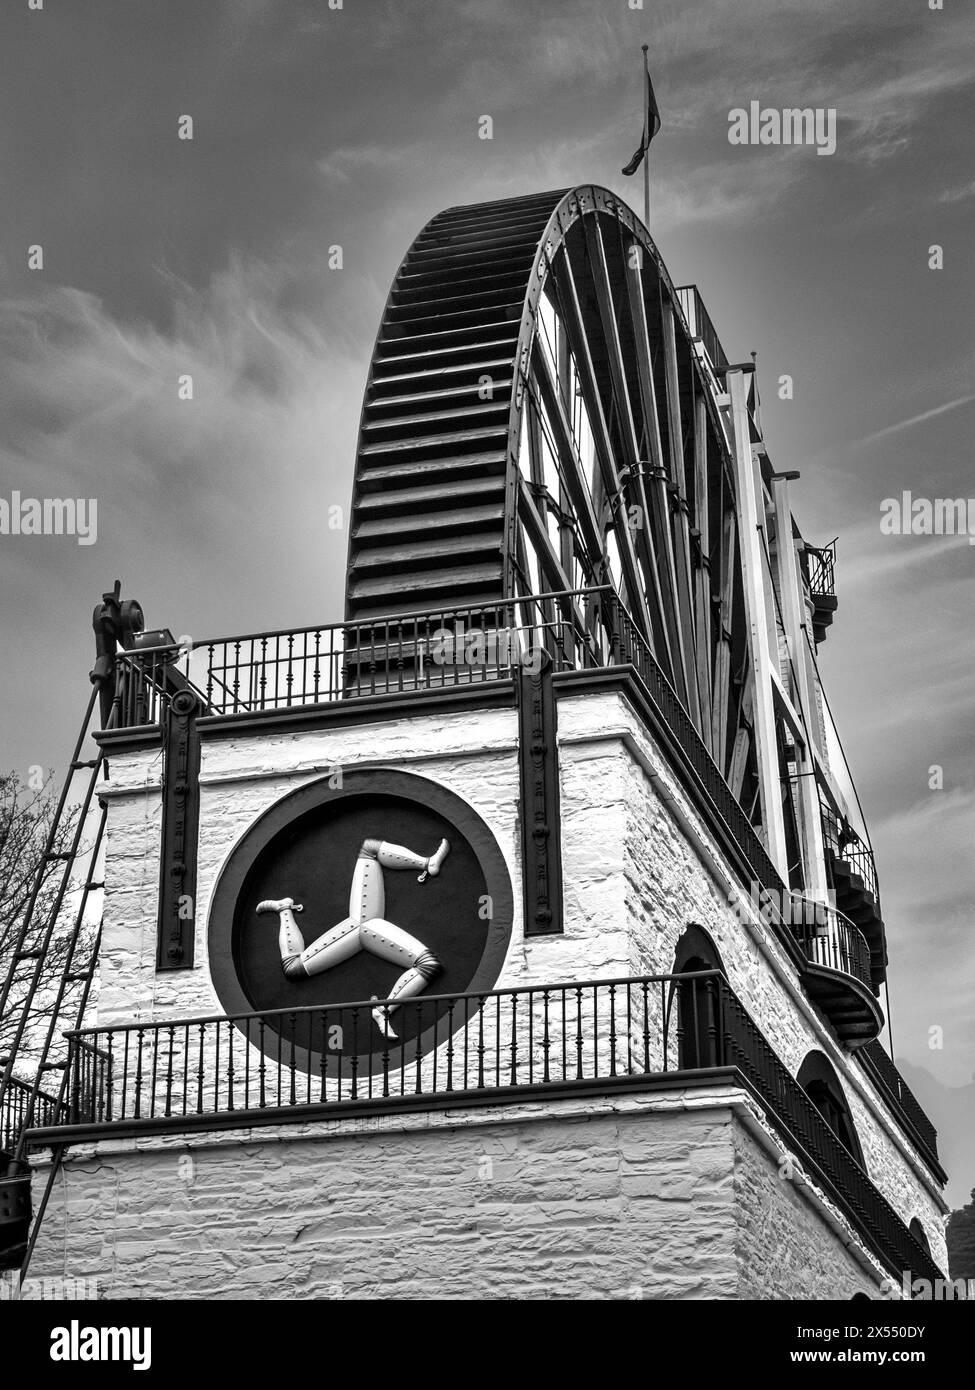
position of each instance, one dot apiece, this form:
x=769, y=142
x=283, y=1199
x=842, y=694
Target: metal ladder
x=28, y=968
x=36, y=938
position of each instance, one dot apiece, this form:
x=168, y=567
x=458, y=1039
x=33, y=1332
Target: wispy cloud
x=870, y=558
x=959, y=193
x=340, y=165
x=933, y=934
x=912, y=421
x=729, y=192
x=91, y=407
x=885, y=113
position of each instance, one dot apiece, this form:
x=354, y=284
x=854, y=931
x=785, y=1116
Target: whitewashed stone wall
x=638, y=1198
x=674, y=876
x=240, y=779
x=783, y=1243
x=638, y=867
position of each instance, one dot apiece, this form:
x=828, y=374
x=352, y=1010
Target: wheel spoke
x=538, y=417
x=682, y=548
x=579, y=343
x=657, y=513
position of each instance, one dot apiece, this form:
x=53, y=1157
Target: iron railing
x=700, y=325
x=576, y=630
x=820, y=566
x=15, y=1106
x=435, y=650
x=583, y=629
x=803, y=1129
x=287, y=1058
x=842, y=842
x=900, y=1096
x=603, y=1034
x=835, y=942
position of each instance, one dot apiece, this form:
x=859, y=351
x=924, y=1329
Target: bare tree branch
x=26, y=817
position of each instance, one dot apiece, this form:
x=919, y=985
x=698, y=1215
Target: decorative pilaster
x=176, y=927
x=541, y=838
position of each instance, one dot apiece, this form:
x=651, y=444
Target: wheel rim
x=538, y=417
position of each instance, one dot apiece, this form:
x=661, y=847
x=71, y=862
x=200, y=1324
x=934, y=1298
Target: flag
x=651, y=121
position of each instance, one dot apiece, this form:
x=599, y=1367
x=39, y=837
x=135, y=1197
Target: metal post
x=646, y=191
x=646, y=127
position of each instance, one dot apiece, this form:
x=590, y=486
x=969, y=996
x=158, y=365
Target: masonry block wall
x=674, y=874
x=639, y=866
x=640, y=1198
x=240, y=779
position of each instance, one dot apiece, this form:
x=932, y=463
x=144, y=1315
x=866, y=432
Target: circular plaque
x=373, y=922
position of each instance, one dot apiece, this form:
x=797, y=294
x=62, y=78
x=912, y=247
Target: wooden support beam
x=739, y=761
x=702, y=571
x=722, y=654
x=791, y=603
x=756, y=610
x=791, y=717
x=682, y=541
x=742, y=746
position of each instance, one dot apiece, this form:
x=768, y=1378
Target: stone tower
x=515, y=936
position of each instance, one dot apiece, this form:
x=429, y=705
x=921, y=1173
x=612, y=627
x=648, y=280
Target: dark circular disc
x=305, y=847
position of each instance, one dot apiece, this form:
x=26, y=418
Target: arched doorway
x=819, y=1080
x=698, y=1029
x=917, y=1231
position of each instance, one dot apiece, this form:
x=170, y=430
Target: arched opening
x=695, y=943
x=698, y=1011
x=819, y=1080
x=917, y=1231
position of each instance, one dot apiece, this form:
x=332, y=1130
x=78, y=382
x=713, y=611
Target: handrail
x=398, y=654
x=174, y=1074
x=16, y=1105
x=899, y=1095
x=805, y=1129
x=821, y=569
x=379, y=621
x=843, y=843
x=409, y=653
x=835, y=942
x=700, y=324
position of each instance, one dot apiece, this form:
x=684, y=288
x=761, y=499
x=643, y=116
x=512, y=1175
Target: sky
x=316, y=127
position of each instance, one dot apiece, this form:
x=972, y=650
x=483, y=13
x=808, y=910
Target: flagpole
x=651, y=124
x=646, y=127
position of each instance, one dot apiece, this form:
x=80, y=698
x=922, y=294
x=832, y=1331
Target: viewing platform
x=473, y=653
x=681, y=1032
